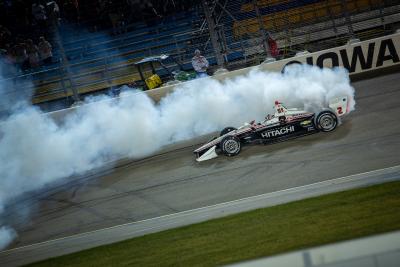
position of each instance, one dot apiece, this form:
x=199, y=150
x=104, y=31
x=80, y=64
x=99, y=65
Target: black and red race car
x=284, y=124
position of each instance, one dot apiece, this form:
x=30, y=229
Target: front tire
x=326, y=121
x=227, y=130
x=230, y=146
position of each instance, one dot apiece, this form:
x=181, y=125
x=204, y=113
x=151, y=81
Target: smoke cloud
x=7, y=235
x=36, y=152
x=14, y=93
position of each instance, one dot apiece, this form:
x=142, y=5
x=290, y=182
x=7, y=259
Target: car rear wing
x=339, y=105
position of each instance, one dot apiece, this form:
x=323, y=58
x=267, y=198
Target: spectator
x=3, y=53
x=39, y=14
x=21, y=56
x=33, y=54
x=5, y=36
x=54, y=13
x=20, y=17
x=45, y=51
x=70, y=11
x=200, y=64
x=9, y=60
x=135, y=10
x=117, y=21
x=133, y=85
x=273, y=47
x=9, y=56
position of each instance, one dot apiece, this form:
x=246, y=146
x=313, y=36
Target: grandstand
x=91, y=60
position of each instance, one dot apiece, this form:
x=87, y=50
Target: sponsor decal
x=278, y=132
x=357, y=58
x=305, y=123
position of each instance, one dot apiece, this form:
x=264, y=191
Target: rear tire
x=230, y=145
x=227, y=130
x=326, y=121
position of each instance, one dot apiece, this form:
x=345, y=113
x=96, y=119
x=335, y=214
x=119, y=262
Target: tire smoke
x=36, y=152
x=7, y=235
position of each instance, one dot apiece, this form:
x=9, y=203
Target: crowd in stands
x=24, y=54
x=26, y=27
x=120, y=13
x=29, y=17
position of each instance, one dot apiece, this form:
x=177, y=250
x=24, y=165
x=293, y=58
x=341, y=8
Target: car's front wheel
x=326, y=121
x=230, y=145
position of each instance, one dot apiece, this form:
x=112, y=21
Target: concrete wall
x=358, y=57
x=375, y=251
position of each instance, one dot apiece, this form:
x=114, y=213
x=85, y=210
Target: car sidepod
x=288, y=130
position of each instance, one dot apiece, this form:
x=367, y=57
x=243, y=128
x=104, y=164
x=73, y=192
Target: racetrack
x=174, y=181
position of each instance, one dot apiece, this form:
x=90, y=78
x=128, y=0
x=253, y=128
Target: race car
x=284, y=124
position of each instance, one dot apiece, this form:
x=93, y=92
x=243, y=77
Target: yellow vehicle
x=154, y=80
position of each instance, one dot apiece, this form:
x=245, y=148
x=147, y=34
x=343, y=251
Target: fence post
x=61, y=73
x=65, y=65
x=213, y=34
x=243, y=50
x=177, y=49
x=381, y=6
x=106, y=71
x=331, y=17
x=222, y=38
x=262, y=29
x=348, y=19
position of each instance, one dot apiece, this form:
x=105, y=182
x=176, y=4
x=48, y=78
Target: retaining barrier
x=357, y=57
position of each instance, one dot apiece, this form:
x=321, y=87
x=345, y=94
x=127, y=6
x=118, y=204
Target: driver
x=268, y=117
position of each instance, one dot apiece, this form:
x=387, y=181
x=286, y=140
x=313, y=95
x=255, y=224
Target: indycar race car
x=284, y=124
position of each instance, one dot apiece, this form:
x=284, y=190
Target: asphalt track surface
x=173, y=182
x=57, y=247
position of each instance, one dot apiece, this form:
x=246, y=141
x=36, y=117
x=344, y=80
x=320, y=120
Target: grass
x=258, y=233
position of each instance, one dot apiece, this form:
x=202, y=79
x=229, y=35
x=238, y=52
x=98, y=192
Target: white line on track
x=74, y=243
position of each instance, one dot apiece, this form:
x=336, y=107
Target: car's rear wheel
x=227, y=130
x=326, y=121
x=230, y=145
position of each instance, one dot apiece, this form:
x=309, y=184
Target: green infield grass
x=259, y=233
